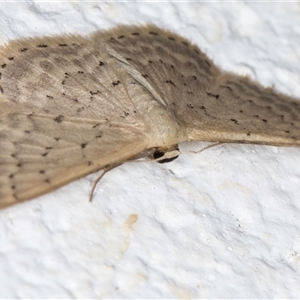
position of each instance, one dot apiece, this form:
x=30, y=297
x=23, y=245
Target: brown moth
x=72, y=105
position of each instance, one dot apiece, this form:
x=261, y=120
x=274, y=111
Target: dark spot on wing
x=171, y=82
x=212, y=95
x=95, y=93
x=206, y=61
x=59, y=118
x=80, y=109
x=115, y=83
x=227, y=87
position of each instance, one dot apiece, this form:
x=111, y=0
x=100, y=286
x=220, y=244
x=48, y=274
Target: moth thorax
x=166, y=128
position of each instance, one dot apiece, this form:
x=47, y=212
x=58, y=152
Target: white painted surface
x=223, y=223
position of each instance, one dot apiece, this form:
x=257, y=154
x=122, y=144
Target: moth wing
x=34, y=161
x=62, y=117
x=213, y=106
x=236, y=109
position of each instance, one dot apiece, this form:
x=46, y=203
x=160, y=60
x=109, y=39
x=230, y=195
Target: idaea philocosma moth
x=72, y=105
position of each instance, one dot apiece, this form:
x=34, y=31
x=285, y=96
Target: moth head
x=166, y=155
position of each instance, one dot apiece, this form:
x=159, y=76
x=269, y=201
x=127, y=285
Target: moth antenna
x=104, y=171
x=206, y=147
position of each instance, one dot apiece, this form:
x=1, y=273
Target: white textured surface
x=223, y=223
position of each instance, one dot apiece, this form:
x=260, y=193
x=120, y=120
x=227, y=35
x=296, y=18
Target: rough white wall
x=223, y=223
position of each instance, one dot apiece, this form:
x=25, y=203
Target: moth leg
x=161, y=155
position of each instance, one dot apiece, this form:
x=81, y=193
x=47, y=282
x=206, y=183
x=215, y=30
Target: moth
x=71, y=105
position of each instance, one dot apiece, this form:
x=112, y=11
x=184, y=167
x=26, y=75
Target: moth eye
x=157, y=154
